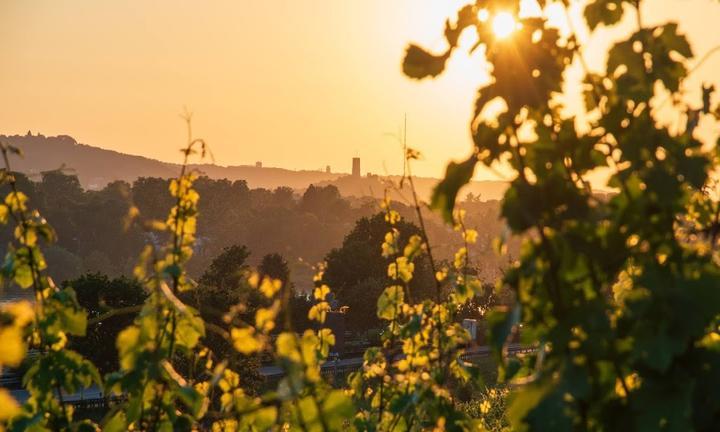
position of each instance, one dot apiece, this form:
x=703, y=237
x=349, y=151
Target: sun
x=504, y=24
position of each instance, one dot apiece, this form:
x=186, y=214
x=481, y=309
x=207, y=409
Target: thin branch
x=119, y=311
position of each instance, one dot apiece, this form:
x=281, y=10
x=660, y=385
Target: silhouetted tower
x=327, y=169
x=258, y=164
x=356, y=167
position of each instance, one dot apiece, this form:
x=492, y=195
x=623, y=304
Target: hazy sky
x=293, y=83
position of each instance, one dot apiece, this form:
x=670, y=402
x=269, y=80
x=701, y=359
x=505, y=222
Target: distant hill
x=375, y=186
x=96, y=167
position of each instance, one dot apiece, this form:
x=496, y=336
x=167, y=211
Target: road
x=95, y=393
x=355, y=363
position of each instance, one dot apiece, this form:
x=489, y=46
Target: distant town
x=96, y=167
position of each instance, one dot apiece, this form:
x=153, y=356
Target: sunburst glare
x=504, y=24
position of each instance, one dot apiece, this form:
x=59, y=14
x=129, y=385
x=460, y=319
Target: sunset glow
x=504, y=24
x=124, y=87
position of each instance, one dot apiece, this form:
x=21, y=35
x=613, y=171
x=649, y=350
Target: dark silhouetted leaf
x=420, y=64
x=445, y=193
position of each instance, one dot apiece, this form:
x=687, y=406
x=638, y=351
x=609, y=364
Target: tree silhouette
x=358, y=272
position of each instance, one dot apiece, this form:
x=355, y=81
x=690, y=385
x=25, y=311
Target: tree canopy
x=358, y=272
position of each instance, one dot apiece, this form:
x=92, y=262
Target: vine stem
x=426, y=241
x=178, y=213
x=393, y=325
x=21, y=219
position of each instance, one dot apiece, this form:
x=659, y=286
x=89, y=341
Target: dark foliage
x=100, y=296
x=358, y=272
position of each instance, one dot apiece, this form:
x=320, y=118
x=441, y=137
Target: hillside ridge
x=96, y=167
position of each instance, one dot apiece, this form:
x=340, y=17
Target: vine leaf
x=117, y=423
x=192, y=399
x=337, y=407
x=607, y=12
x=500, y=325
x=387, y=304
x=527, y=72
x=9, y=408
x=523, y=403
x=420, y=64
x=466, y=17
x=445, y=193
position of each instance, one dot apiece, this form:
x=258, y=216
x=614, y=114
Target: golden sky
x=294, y=83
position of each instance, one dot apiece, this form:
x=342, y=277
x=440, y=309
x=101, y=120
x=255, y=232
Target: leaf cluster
x=618, y=293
